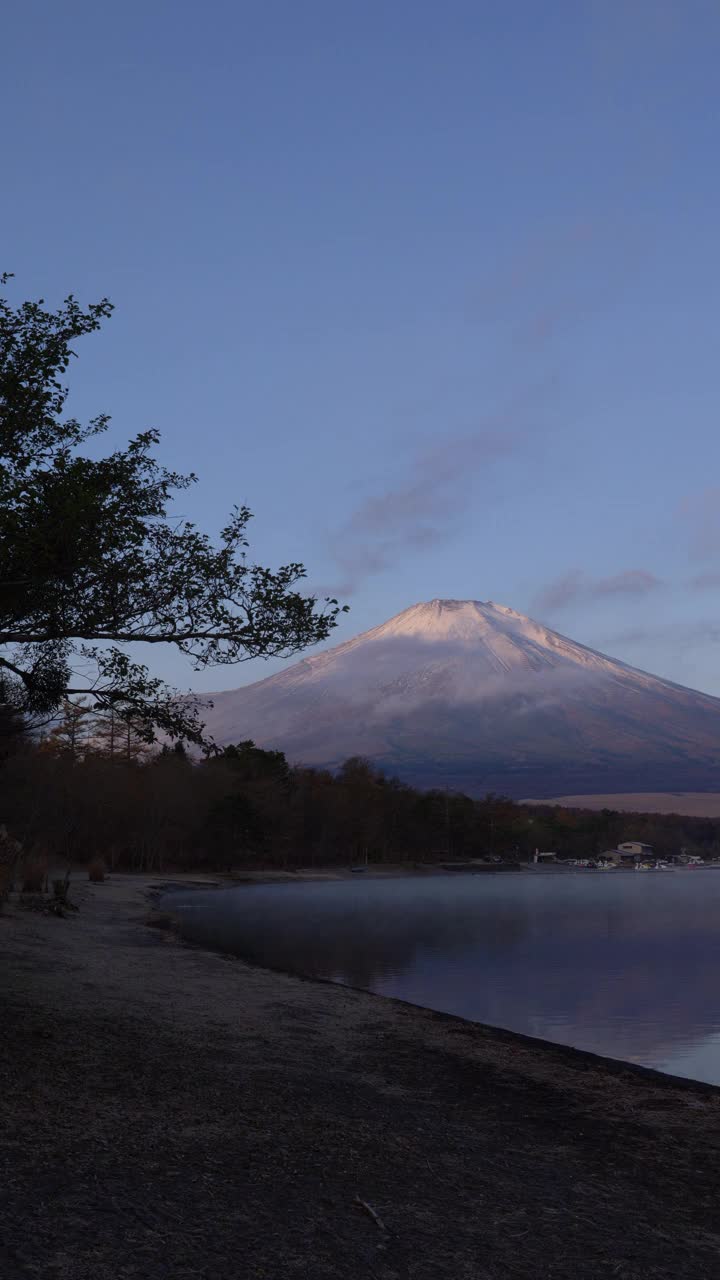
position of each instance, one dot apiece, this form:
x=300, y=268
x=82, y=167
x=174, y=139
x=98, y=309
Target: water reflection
x=620, y=964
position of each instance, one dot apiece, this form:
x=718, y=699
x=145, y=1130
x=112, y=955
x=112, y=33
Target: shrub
x=59, y=904
x=35, y=876
x=96, y=871
x=60, y=890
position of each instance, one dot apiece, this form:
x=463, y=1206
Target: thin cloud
x=432, y=488
x=683, y=634
x=633, y=635
x=562, y=592
x=678, y=651
x=631, y=582
x=575, y=586
x=705, y=582
x=418, y=513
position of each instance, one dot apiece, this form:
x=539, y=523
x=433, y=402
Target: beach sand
x=168, y=1113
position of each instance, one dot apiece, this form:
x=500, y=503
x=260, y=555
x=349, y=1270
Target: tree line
x=91, y=788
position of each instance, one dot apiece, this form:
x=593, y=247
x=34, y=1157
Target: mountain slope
x=474, y=696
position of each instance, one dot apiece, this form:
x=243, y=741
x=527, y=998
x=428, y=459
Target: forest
x=93, y=788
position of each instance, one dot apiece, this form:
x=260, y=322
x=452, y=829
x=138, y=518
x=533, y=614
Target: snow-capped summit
x=465, y=619
x=474, y=695
x=456, y=619
x=507, y=637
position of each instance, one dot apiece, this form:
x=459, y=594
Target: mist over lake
x=623, y=965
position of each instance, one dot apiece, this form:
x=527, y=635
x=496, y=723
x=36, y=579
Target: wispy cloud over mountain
x=420, y=510
x=575, y=586
x=669, y=635
x=561, y=592
x=631, y=582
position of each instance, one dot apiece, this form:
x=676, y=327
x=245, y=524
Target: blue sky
x=432, y=287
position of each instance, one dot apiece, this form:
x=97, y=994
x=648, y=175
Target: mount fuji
x=472, y=696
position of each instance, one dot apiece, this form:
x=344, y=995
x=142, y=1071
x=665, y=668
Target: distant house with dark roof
x=631, y=851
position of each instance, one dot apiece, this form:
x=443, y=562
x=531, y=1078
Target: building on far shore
x=630, y=851
x=544, y=858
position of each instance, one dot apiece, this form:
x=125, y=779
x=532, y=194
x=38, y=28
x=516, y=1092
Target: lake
x=622, y=964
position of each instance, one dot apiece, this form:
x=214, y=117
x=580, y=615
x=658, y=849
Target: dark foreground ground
x=169, y=1113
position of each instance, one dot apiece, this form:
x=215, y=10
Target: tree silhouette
x=92, y=560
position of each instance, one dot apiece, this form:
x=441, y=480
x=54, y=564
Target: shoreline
x=198, y=1116
x=393, y=871
x=165, y=921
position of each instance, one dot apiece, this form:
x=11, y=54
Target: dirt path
x=170, y=1113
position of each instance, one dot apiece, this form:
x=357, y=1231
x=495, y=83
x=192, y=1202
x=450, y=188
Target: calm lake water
x=622, y=964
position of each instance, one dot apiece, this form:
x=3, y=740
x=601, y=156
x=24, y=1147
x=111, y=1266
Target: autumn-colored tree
x=117, y=737
x=70, y=735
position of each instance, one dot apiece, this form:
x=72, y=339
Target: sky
x=431, y=287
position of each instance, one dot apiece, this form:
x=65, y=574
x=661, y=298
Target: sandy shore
x=171, y=1113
